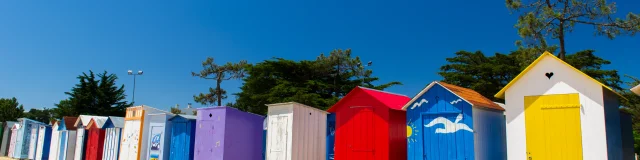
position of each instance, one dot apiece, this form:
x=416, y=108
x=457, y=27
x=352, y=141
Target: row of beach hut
x=551, y=111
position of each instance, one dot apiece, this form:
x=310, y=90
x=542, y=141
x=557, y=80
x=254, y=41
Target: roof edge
x=501, y=93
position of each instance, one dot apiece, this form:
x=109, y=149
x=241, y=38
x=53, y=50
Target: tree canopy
x=542, y=18
x=41, y=115
x=10, y=109
x=487, y=75
x=94, y=96
x=211, y=70
x=318, y=83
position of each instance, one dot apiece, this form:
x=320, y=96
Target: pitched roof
x=84, y=120
x=470, y=96
x=391, y=100
x=98, y=122
x=636, y=90
x=117, y=122
x=501, y=93
x=69, y=122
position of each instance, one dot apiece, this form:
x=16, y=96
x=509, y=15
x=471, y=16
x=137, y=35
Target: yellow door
x=553, y=127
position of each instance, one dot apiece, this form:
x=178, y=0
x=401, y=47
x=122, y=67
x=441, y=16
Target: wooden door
x=112, y=143
x=81, y=137
x=179, y=141
x=33, y=142
x=362, y=133
x=278, y=137
x=553, y=127
x=443, y=136
x=40, y=145
x=130, y=139
x=156, y=140
x=92, y=143
x=63, y=145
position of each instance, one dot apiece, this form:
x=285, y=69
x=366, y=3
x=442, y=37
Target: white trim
x=426, y=89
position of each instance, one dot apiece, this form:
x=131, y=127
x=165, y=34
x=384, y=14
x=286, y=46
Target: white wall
x=564, y=81
x=273, y=112
x=309, y=133
x=55, y=143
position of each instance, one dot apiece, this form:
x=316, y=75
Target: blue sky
x=44, y=45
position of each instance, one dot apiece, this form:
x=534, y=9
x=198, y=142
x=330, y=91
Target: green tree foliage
x=10, y=109
x=542, y=18
x=219, y=73
x=487, y=75
x=41, y=115
x=632, y=105
x=318, y=83
x=176, y=110
x=94, y=95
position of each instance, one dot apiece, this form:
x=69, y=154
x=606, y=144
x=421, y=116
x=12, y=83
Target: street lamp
x=134, y=84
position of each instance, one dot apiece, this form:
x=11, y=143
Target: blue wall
x=331, y=130
x=182, y=138
x=47, y=143
x=490, y=134
x=436, y=142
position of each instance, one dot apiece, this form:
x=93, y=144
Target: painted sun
x=412, y=131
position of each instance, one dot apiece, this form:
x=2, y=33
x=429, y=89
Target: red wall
x=387, y=129
x=95, y=144
x=398, y=134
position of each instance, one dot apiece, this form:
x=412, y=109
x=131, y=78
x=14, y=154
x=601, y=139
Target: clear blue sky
x=44, y=45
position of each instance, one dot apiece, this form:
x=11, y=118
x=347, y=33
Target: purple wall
x=227, y=133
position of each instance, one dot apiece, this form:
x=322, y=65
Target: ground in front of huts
x=6, y=158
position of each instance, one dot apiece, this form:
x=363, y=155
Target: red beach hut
x=95, y=138
x=370, y=125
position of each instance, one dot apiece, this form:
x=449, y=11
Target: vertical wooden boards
x=553, y=127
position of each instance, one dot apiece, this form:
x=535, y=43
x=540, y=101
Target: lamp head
x=130, y=72
x=139, y=72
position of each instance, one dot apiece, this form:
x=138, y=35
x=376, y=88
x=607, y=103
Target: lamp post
x=133, y=100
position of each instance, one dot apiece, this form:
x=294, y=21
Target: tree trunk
x=562, y=53
x=219, y=91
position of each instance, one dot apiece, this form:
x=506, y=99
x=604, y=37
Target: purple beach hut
x=225, y=133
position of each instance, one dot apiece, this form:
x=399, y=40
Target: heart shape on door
x=549, y=75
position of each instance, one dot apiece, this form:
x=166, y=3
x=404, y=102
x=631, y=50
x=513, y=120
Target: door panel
x=63, y=144
x=553, y=127
x=156, y=138
x=130, y=138
x=178, y=144
x=441, y=137
x=279, y=134
x=33, y=142
x=363, y=133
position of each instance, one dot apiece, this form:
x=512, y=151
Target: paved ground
x=6, y=158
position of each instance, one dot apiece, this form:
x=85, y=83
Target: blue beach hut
x=183, y=129
x=24, y=138
x=447, y=122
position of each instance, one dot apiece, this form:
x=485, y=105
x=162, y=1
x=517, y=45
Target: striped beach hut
x=55, y=140
x=67, y=139
x=113, y=133
x=6, y=137
x=81, y=134
x=44, y=142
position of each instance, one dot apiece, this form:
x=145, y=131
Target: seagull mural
x=418, y=104
x=449, y=127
